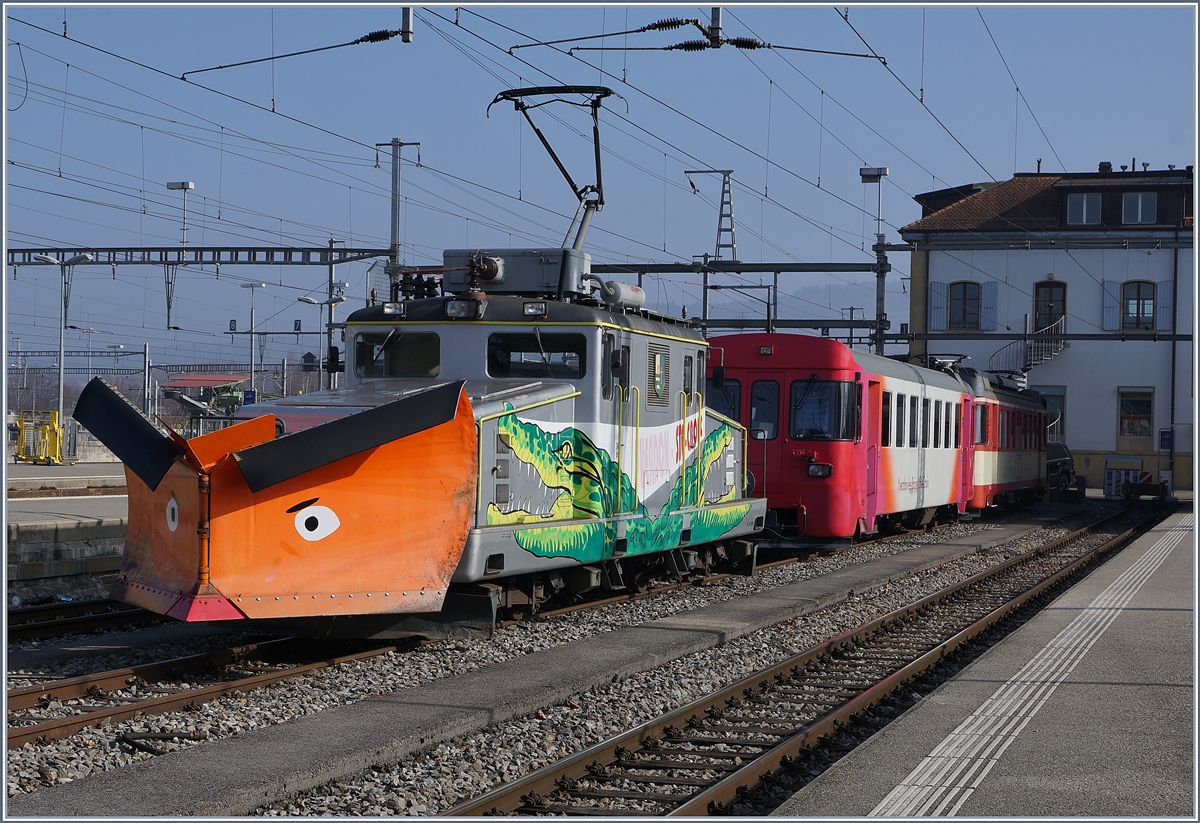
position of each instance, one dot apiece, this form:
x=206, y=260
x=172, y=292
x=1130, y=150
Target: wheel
x=1064, y=482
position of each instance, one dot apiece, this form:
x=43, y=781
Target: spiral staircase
x=1020, y=356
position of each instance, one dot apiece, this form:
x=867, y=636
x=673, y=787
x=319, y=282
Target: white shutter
x=937, y=306
x=1162, y=305
x=1112, y=305
x=987, y=305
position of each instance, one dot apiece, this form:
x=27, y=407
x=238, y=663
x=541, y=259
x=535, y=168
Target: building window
x=1139, y=207
x=1137, y=305
x=1135, y=407
x=964, y=305
x=1083, y=209
x=1056, y=405
x=1049, y=304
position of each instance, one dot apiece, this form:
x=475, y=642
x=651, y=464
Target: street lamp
x=331, y=302
x=65, y=293
x=184, y=187
x=89, y=332
x=252, y=287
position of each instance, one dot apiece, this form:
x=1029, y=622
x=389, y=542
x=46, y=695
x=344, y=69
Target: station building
x=1080, y=286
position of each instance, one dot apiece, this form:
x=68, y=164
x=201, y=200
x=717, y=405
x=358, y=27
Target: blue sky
x=282, y=152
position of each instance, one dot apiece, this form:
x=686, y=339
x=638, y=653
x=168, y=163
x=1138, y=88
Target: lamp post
x=89, y=332
x=65, y=294
x=331, y=302
x=184, y=187
x=252, y=287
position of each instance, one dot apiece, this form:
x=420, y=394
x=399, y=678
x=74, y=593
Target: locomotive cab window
x=397, y=354
x=518, y=354
x=824, y=410
x=725, y=400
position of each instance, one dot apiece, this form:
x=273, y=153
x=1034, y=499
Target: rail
x=719, y=751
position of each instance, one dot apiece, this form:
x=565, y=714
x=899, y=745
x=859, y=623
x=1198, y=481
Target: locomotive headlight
x=820, y=470
x=393, y=308
x=464, y=309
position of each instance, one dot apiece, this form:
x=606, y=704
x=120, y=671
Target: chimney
x=1106, y=167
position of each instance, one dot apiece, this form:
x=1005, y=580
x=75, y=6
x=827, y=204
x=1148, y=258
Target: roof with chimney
x=1038, y=202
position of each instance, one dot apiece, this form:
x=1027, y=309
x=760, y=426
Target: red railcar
x=844, y=443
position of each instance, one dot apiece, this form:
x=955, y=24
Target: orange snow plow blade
x=367, y=514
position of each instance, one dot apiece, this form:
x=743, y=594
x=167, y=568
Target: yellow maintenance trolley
x=40, y=439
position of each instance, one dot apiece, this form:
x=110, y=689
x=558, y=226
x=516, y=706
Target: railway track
x=80, y=617
x=722, y=754
x=58, y=709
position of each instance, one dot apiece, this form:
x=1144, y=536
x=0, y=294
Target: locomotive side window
x=397, y=354
x=925, y=421
x=726, y=400
x=606, y=353
x=900, y=405
x=885, y=420
x=764, y=407
x=687, y=375
x=981, y=427
x=825, y=410
x=937, y=424
x=537, y=355
x=912, y=422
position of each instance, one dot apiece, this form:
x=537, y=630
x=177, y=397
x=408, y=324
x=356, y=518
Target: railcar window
x=885, y=420
x=912, y=422
x=937, y=424
x=515, y=354
x=824, y=410
x=981, y=427
x=925, y=421
x=958, y=425
x=764, y=407
x=397, y=354
x=900, y=420
x=946, y=424
x=726, y=400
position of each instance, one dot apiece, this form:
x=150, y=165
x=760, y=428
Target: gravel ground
x=470, y=766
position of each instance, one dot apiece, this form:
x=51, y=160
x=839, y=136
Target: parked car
x=1060, y=466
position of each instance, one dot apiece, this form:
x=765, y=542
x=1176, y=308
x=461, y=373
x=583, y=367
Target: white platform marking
x=948, y=775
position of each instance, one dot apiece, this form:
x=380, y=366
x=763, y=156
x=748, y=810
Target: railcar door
x=966, y=455
x=765, y=423
x=871, y=430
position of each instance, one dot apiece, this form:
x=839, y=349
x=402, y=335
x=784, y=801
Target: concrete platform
x=1087, y=710
x=25, y=476
x=60, y=537
x=234, y=775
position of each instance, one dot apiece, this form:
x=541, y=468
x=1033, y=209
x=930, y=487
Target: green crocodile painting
x=594, y=488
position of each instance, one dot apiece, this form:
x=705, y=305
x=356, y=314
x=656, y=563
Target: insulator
x=690, y=45
x=746, y=43
x=376, y=36
x=667, y=25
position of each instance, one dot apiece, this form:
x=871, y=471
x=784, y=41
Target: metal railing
x=1019, y=356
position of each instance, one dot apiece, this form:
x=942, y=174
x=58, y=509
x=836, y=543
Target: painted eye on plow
x=316, y=522
x=173, y=514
